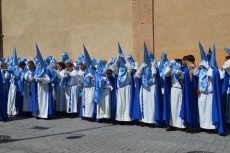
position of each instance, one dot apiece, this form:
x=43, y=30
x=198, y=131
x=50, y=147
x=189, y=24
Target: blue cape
x=167, y=97
x=158, y=100
x=189, y=106
x=3, y=102
x=132, y=94
x=218, y=117
x=113, y=82
x=136, y=116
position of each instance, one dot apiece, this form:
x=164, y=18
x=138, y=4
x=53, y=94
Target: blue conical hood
x=121, y=60
x=65, y=57
x=87, y=58
x=80, y=59
x=227, y=50
x=146, y=56
x=15, y=58
x=213, y=57
x=40, y=69
x=202, y=53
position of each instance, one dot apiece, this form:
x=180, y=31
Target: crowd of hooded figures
x=175, y=94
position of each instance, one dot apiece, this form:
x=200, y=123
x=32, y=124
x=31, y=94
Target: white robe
x=123, y=95
x=71, y=92
x=87, y=99
x=104, y=107
x=43, y=96
x=147, y=101
x=60, y=104
x=11, y=108
x=205, y=102
x=175, y=100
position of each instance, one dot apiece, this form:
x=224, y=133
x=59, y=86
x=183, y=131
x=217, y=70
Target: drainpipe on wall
x=1, y=34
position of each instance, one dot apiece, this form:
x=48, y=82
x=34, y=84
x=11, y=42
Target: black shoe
x=142, y=124
x=38, y=118
x=153, y=126
x=171, y=128
x=187, y=130
x=72, y=116
x=91, y=120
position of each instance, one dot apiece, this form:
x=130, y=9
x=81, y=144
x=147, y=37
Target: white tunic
x=123, y=95
x=87, y=98
x=175, y=100
x=104, y=107
x=11, y=109
x=147, y=101
x=43, y=96
x=72, y=91
x=205, y=102
x=60, y=104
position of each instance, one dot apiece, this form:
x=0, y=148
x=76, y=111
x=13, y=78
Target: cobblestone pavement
x=76, y=135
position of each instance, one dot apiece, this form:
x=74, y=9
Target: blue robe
x=136, y=116
x=113, y=82
x=132, y=94
x=218, y=117
x=3, y=102
x=6, y=85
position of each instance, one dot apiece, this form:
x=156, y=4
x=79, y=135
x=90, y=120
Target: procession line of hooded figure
x=164, y=94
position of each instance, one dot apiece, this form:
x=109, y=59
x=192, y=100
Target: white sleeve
x=154, y=70
x=61, y=74
x=226, y=64
x=195, y=72
x=73, y=73
x=139, y=72
x=45, y=79
x=7, y=75
x=222, y=73
x=209, y=73
x=167, y=71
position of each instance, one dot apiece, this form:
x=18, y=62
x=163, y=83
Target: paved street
x=76, y=135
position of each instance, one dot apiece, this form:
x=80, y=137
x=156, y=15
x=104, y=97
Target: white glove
x=90, y=75
x=111, y=88
x=39, y=80
x=144, y=65
x=178, y=72
x=204, y=64
x=172, y=62
x=31, y=77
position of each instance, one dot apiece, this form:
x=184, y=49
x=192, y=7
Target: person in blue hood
x=175, y=74
x=150, y=96
x=16, y=91
x=226, y=86
x=29, y=82
x=123, y=69
x=42, y=98
x=211, y=110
